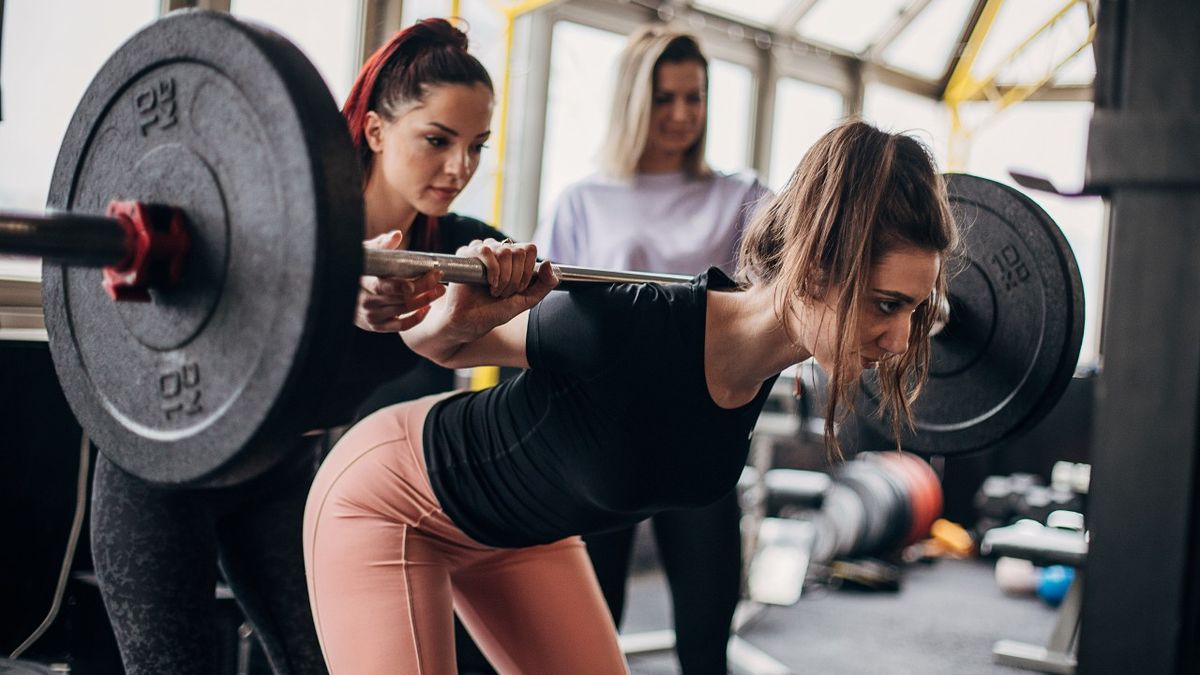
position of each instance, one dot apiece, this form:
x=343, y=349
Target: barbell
x=203, y=245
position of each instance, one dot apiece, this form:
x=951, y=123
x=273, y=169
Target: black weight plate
x=876, y=496
x=1015, y=330
x=207, y=383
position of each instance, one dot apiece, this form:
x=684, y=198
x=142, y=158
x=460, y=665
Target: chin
x=434, y=207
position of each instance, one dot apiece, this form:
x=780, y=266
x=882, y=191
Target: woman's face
x=678, y=108
x=900, y=281
x=429, y=152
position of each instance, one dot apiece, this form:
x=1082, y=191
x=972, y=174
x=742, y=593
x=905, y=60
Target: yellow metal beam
x=964, y=86
x=961, y=79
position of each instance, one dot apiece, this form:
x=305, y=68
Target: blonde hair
x=858, y=194
x=629, y=119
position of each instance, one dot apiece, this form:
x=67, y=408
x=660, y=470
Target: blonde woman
x=475, y=501
x=657, y=206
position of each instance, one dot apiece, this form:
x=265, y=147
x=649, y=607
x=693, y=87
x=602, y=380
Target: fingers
x=397, y=324
x=389, y=240
x=509, y=266
x=406, y=322
x=397, y=287
x=547, y=279
x=385, y=304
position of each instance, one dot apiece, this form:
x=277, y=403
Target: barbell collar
x=140, y=246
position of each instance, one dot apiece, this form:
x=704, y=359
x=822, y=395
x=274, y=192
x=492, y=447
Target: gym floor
x=943, y=620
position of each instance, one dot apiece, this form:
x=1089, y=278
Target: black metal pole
x=1142, y=588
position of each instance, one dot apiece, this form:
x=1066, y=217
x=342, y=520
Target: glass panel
x=763, y=12
x=1016, y=22
x=925, y=46
x=1079, y=70
x=803, y=112
x=849, y=24
x=730, y=105
x=897, y=110
x=582, y=65
x=43, y=82
x=327, y=32
x=412, y=11
x=1050, y=139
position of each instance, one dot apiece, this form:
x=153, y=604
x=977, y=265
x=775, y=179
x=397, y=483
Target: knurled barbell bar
x=145, y=246
x=248, y=277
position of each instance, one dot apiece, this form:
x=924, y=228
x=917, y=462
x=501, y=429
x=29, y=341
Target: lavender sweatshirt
x=651, y=222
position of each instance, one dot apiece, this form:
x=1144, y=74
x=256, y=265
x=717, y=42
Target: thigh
x=539, y=610
x=381, y=599
x=610, y=553
x=155, y=555
x=700, y=550
x=261, y=552
x=378, y=553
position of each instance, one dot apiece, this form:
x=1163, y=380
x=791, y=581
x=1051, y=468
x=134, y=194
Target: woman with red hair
x=419, y=115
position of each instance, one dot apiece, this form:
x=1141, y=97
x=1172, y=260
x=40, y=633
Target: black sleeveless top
x=612, y=422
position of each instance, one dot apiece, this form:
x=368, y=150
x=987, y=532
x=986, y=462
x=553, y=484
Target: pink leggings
x=386, y=568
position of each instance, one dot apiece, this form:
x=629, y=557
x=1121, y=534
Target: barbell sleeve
x=392, y=263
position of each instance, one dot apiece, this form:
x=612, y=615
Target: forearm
x=435, y=339
x=459, y=346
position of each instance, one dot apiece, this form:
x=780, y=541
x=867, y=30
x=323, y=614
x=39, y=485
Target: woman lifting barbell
x=474, y=500
x=419, y=113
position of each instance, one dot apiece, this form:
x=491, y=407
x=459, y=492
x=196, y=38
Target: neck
x=745, y=343
x=657, y=161
x=385, y=211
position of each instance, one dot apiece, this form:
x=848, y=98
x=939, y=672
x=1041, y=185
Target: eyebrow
x=896, y=295
x=454, y=133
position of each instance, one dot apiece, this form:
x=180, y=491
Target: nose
x=894, y=339
x=458, y=165
x=680, y=110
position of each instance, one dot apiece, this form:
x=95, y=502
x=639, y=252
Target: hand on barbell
x=515, y=284
x=393, y=304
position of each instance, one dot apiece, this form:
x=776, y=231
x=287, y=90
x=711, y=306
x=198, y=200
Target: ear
x=373, y=129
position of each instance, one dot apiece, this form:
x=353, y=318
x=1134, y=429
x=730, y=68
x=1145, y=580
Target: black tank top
x=612, y=422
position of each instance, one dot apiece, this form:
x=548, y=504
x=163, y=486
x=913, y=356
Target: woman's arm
x=485, y=325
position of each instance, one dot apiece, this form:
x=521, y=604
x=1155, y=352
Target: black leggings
x=155, y=552
x=701, y=553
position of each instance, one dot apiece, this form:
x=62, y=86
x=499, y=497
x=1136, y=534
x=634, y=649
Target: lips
x=444, y=193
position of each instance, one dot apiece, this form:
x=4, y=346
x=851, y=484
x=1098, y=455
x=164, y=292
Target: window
x=763, y=12
x=36, y=113
x=327, y=33
x=803, y=112
x=730, y=115
x=582, y=65
x=896, y=110
x=925, y=46
x=849, y=24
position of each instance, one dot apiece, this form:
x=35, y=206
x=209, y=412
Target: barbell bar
x=118, y=241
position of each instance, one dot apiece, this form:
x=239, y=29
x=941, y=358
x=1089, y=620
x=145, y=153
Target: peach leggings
x=386, y=567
